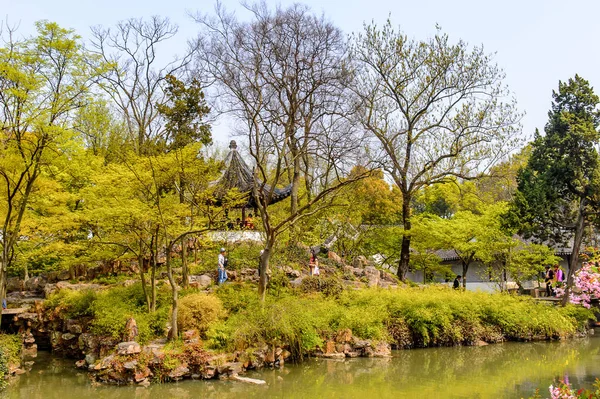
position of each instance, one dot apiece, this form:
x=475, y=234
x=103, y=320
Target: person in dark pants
x=549, y=278
x=456, y=284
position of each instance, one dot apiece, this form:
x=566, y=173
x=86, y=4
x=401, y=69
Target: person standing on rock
x=222, y=263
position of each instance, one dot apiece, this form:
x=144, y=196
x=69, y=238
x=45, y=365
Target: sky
x=536, y=42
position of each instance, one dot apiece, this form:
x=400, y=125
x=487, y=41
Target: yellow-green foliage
x=411, y=317
x=199, y=311
x=110, y=309
x=10, y=353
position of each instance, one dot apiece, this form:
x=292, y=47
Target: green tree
x=43, y=81
x=558, y=190
x=436, y=110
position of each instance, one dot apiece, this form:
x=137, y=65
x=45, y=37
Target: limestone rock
x=179, y=372
x=104, y=363
x=344, y=336
x=372, y=275
x=230, y=368
x=291, y=273
x=35, y=284
x=90, y=358
x=131, y=330
x=128, y=348
x=14, y=284
x=297, y=282
x=73, y=326
x=201, y=282
x=130, y=365
x=335, y=257
x=360, y=262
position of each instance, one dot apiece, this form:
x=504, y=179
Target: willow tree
x=283, y=75
x=436, y=110
x=559, y=189
x=43, y=80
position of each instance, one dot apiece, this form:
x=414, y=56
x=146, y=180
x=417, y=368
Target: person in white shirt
x=222, y=263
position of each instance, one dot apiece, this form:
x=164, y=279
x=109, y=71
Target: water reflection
x=510, y=370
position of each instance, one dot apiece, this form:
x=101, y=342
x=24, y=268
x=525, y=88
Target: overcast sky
x=536, y=42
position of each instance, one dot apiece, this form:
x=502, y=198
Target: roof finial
x=232, y=145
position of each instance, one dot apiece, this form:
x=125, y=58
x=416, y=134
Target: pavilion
x=238, y=175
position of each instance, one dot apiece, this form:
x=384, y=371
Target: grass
x=304, y=318
x=412, y=317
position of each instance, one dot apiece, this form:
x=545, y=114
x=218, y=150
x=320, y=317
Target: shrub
x=10, y=353
x=329, y=286
x=112, y=308
x=199, y=311
x=236, y=297
x=72, y=304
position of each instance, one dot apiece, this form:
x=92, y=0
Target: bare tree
x=284, y=76
x=137, y=73
x=436, y=111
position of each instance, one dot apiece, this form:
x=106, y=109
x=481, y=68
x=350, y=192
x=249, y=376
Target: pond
x=509, y=370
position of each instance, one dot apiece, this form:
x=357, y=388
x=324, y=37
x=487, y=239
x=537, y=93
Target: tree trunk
x=263, y=269
x=405, y=249
x=173, y=334
x=3, y=273
x=154, y=256
x=184, y=263
x=465, y=270
x=143, y=277
x=574, y=258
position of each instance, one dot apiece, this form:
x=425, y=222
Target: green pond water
x=510, y=370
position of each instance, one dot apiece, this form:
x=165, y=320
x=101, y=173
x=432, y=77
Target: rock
x=131, y=330
x=230, y=368
x=360, y=262
x=49, y=289
x=190, y=335
x=81, y=364
x=73, y=326
x=201, y=282
x=156, y=353
x=209, y=372
x=291, y=273
x=382, y=349
x=14, y=284
x=481, y=343
x=334, y=257
x=128, y=348
x=90, y=358
x=144, y=383
x=130, y=365
x=68, y=336
x=104, y=363
x=29, y=352
x=142, y=375
x=35, y=284
x=361, y=344
x=334, y=355
x=88, y=342
x=372, y=275
x=297, y=282
x=179, y=373
x=330, y=347
x=344, y=336
x=248, y=380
